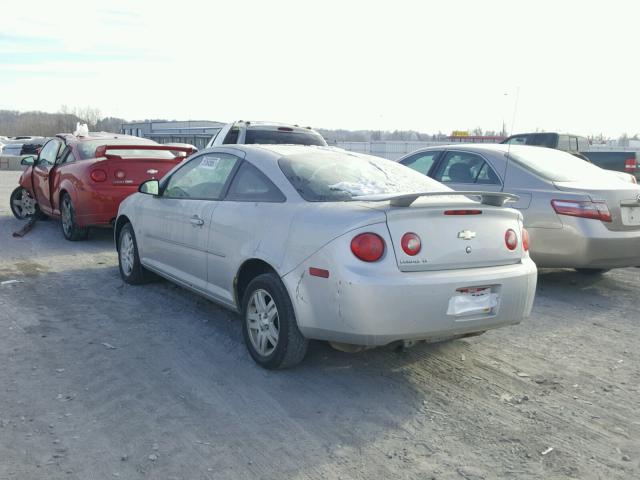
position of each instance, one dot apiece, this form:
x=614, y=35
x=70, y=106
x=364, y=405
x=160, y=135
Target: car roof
x=266, y=125
x=273, y=152
x=481, y=147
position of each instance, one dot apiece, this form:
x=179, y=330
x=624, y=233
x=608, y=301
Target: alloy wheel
x=66, y=216
x=262, y=322
x=127, y=254
x=22, y=203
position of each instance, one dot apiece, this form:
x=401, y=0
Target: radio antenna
x=513, y=122
x=515, y=111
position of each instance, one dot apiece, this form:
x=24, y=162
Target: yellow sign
x=459, y=133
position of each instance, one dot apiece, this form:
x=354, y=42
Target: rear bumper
x=100, y=207
x=584, y=243
x=360, y=309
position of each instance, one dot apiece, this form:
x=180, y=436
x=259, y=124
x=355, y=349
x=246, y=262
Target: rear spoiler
x=496, y=199
x=101, y=151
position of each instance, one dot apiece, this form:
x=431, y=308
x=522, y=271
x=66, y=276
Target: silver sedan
x=317, y=243
x=577, y=214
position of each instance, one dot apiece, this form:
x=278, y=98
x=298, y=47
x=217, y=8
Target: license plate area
x=474, y=301
x=630, y=216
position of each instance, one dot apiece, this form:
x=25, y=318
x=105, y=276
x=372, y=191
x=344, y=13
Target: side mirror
x=150, y=187
x=28, y=161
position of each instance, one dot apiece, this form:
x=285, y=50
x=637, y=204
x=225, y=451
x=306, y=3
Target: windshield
x=88, y=149
x=283, y=137
x=556, y=165
x=334, y=177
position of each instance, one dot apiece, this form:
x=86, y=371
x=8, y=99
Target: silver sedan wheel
x=127, y=253
x=66, y=216
x=262, y=322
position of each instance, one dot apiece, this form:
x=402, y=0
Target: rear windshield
x=88, y=149
x=549, y=140
x=556, y=165
x=280, y=137
x=338, y=177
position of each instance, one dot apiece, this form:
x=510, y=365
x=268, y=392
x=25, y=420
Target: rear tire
x=269, y=326
x=592, y=271
x=131, y=270
x=70, y=228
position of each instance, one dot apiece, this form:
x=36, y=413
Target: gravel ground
x=99, y=379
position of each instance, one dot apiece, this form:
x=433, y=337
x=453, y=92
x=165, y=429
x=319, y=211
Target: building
x=193, y=132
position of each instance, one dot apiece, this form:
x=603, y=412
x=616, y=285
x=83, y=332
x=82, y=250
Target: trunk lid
x=134, y=171
x=622, y=200
x=129, y=165
x=454, y=241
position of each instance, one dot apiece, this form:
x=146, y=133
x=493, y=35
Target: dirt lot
x=99, y=379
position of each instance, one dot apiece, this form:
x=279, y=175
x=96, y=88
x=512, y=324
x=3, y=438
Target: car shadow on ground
x=46, y=237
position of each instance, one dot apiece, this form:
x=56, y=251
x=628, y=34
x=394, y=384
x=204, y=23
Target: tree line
x=14, y=123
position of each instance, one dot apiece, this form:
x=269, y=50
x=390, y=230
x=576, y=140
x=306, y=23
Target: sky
x=565, y=66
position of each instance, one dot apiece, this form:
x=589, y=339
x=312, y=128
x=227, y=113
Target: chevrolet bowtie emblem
x=466, y=234
x=152, y=171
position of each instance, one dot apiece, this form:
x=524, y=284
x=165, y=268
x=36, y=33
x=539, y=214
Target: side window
x=232, y=136
x=251, y=185
x=563, y=142
x=518, y=140
x=67, y=156
x=421, y=162
x=465, y=167
x=49, y=153
x=203, y=177
x=573, y=144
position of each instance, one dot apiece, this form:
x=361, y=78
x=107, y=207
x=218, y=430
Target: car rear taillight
x=411, y=243
x=525, y=240
x=630, y=165
x=511, y=239
x=368, y=247
x=98, y=175
x=594, y=210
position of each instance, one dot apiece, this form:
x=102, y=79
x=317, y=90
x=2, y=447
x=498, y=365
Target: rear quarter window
x=283, y=137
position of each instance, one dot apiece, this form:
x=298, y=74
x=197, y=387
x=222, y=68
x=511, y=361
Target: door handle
x=196, y=221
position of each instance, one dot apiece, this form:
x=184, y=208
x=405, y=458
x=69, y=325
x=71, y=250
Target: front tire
x=70, y=228
x=131, y=270
x=23, y=205
x=269, y=324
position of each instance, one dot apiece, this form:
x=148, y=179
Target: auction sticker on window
x=210, y=162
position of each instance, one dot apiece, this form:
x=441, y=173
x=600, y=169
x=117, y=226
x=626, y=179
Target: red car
x=83, y=179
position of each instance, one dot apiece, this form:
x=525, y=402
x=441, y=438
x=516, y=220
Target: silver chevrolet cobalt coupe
x=318, y=243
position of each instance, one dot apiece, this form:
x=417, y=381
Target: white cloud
x=400, y=64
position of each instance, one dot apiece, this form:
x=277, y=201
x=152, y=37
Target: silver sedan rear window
x=338, y=177
x=556, y=165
